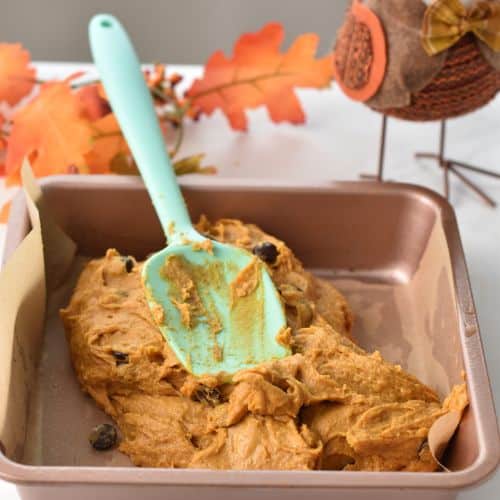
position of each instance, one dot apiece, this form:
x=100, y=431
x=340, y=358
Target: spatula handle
x=132, y=104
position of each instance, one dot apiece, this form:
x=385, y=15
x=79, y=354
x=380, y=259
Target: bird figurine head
x=420, y=60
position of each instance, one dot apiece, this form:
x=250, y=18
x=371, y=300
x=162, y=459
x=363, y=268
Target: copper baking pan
x=393, y=249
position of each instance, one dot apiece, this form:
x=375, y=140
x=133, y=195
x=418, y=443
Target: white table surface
x=340, y=141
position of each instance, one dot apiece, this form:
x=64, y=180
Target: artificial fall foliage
x=258, y=74
x=51, y=131
x=3, y=142
x=16, y=75
x=67, y=126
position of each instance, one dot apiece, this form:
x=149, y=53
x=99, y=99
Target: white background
x=340, y=141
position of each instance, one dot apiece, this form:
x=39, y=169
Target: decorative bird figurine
x=422, y=60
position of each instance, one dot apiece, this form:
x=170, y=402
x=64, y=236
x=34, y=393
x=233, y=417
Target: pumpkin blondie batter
x=330, y=405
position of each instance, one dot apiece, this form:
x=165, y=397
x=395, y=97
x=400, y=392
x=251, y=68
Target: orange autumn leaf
x=51, y=132
x=16, y=76
x=3, y=142
x=5, y=212
x=258, y=74
x=3, y=145
x=107, y=143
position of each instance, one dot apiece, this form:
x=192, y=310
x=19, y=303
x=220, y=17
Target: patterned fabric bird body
x=419, y=60
x=422, y=60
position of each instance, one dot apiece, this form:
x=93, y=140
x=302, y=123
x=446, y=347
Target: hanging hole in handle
x=106, y=23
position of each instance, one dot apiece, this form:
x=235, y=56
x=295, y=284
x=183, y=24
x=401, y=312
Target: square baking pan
x=394, y=250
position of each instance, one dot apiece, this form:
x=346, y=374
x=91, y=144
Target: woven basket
x=466, y=83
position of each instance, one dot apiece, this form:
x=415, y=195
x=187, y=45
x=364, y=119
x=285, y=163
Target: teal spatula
x=215, y=304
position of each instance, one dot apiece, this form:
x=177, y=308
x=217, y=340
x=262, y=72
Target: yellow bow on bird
x=447, y=21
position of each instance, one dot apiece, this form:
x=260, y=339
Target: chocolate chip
x=266, y=251
x=129, y=264
x=195, y=441
x=103, y=437
x=210, y=395
x=121, y=357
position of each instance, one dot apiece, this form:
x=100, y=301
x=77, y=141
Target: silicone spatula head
x=215, y=303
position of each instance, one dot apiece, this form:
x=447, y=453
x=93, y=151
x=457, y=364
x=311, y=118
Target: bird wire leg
x=446, y=170
x=472, y=185
x=381, y=154
x=450, y=166
x=442, y=162
x=478, y=170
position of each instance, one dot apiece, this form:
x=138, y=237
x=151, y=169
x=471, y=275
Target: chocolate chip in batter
x=129, y=264
x=121, y=357
x=210, y=395
x=195, y=441
x=266, y=251
x=103, y=437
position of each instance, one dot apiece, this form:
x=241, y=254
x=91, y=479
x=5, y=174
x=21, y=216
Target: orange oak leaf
x=3, y=145
x=3, y=142
x=107, y=143
x=259, y=74
x=51, y=132
x=16, y=76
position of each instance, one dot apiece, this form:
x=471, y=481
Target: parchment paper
x=37, y=265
